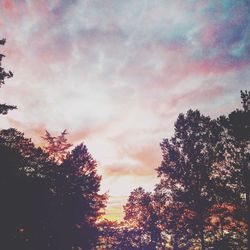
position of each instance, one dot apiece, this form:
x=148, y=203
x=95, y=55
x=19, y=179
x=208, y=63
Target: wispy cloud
x=117, y=73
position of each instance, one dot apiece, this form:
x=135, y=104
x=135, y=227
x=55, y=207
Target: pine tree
x=4, y=108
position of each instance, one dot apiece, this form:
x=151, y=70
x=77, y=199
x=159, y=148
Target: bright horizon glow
x=116, y=74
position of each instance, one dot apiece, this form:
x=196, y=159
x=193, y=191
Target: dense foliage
x=46, y=205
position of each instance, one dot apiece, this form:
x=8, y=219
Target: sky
x=117, y=73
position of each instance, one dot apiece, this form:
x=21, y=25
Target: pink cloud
x=201, y=94
x=76, y=136
x=8, y=5
x=31, y=130
x=147, y=158
x=209, y=35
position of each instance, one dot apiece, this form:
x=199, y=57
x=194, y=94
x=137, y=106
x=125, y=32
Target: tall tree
x=4, y=108
x=79, y=203
x=187, y=163
x=239, y=127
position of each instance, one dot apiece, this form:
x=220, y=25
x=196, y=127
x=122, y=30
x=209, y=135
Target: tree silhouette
x=79, y=203
x=24, y=206
x=57, y=147
x=57, y=205
x=4, y=108
x=239, y=128
x=202, y=199
x=37, y=162
x=187, y=160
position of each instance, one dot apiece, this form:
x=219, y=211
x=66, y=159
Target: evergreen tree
x=4, y=108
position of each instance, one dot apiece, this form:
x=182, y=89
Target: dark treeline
x=202, y=198
x=46, y=204
x=50, y=196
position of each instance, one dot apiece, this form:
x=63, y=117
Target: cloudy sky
x=116, y=74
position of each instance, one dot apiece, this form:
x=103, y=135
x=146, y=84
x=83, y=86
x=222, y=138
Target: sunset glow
x=116, y=74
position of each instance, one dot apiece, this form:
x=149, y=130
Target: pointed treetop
x=57, y=146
